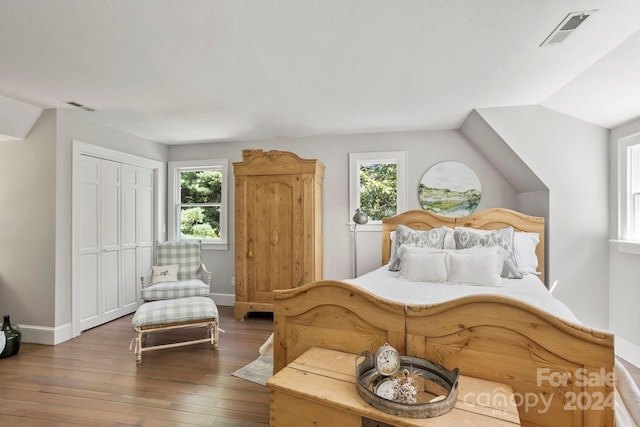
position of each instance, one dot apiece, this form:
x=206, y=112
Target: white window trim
x=626, y=246
x=355, y=160
x=622, y=242
x=174, y=197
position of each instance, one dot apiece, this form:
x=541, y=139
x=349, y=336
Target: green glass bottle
x=13, y=338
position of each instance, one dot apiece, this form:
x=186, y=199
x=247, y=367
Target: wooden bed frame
x=561, y=372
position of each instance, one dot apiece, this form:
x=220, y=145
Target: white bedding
x=530, y=289
x=627, y=398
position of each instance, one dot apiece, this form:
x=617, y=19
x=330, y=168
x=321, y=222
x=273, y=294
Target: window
x=377, y=185
x=198, y=201
x=630, y=189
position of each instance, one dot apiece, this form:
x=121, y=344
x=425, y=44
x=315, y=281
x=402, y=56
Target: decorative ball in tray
x=405, y=386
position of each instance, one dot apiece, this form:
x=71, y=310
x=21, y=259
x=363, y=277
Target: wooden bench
x=165, y=315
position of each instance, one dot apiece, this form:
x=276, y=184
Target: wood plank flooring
x=93, y=380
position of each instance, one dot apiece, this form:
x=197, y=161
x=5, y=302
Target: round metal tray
x=435, y=381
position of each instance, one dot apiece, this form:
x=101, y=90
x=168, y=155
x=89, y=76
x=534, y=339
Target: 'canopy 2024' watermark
x=587, y=399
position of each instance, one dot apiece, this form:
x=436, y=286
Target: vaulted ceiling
x=179, y=71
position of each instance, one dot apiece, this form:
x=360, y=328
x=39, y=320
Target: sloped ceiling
x=178, y=71
x=16, y=119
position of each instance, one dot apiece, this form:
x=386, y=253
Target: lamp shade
x=360, y=217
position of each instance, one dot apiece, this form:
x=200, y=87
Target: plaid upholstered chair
x=177, y=273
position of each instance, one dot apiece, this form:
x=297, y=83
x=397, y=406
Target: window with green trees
x=199, y=199
x=379, y=190
x=378, y=184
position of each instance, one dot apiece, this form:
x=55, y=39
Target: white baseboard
x=627, y=351
x=227, y=300
x=46, y=334
x=51, y=336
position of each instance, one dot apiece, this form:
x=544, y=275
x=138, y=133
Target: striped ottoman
x=164, y=315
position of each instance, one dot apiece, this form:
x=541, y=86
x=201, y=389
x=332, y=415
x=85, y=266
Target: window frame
x=173, y=202
x=355, y=160
x=624, y=210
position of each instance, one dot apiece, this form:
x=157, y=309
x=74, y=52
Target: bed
x=560, y=370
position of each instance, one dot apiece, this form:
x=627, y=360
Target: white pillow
x=482, y=266
x=425, y=267
x=165, y=273
x=524, y=248
x=410, y=248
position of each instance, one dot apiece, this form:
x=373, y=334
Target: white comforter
x=530, y=289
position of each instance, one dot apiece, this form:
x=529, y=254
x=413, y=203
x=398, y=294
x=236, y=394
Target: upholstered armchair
x=178, y=272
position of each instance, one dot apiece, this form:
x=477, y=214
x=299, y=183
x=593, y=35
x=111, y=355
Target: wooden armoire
x=278, y=220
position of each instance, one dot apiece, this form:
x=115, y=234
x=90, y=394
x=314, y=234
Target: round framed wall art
x=451, y=189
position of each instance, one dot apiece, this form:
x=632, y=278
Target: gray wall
x=571, y=158
x=35, y=226
x=77, y=125
x=27, y=225
x=424, y=149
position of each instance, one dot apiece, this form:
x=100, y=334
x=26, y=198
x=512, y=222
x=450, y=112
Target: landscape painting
x=451, y=189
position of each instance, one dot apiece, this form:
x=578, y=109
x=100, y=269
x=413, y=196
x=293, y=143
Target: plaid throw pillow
x=183, y=252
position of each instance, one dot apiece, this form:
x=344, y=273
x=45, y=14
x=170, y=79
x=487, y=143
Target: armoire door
x=274, y=231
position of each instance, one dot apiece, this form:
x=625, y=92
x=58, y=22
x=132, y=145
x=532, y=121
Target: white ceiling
x=178, y=71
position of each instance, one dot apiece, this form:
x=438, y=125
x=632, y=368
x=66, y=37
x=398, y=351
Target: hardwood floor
x=93, y=380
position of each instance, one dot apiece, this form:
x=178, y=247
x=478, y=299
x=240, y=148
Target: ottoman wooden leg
x=216, y=335
x=138, y=348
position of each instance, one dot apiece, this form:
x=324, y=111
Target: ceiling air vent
x=78, y=105
x=567, y=26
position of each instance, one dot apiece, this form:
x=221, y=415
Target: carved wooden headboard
x=490, y=219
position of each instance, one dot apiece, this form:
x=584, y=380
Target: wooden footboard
x=333, y=315
x=561, y=373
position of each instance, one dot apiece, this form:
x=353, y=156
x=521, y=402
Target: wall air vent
x=566, y=27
